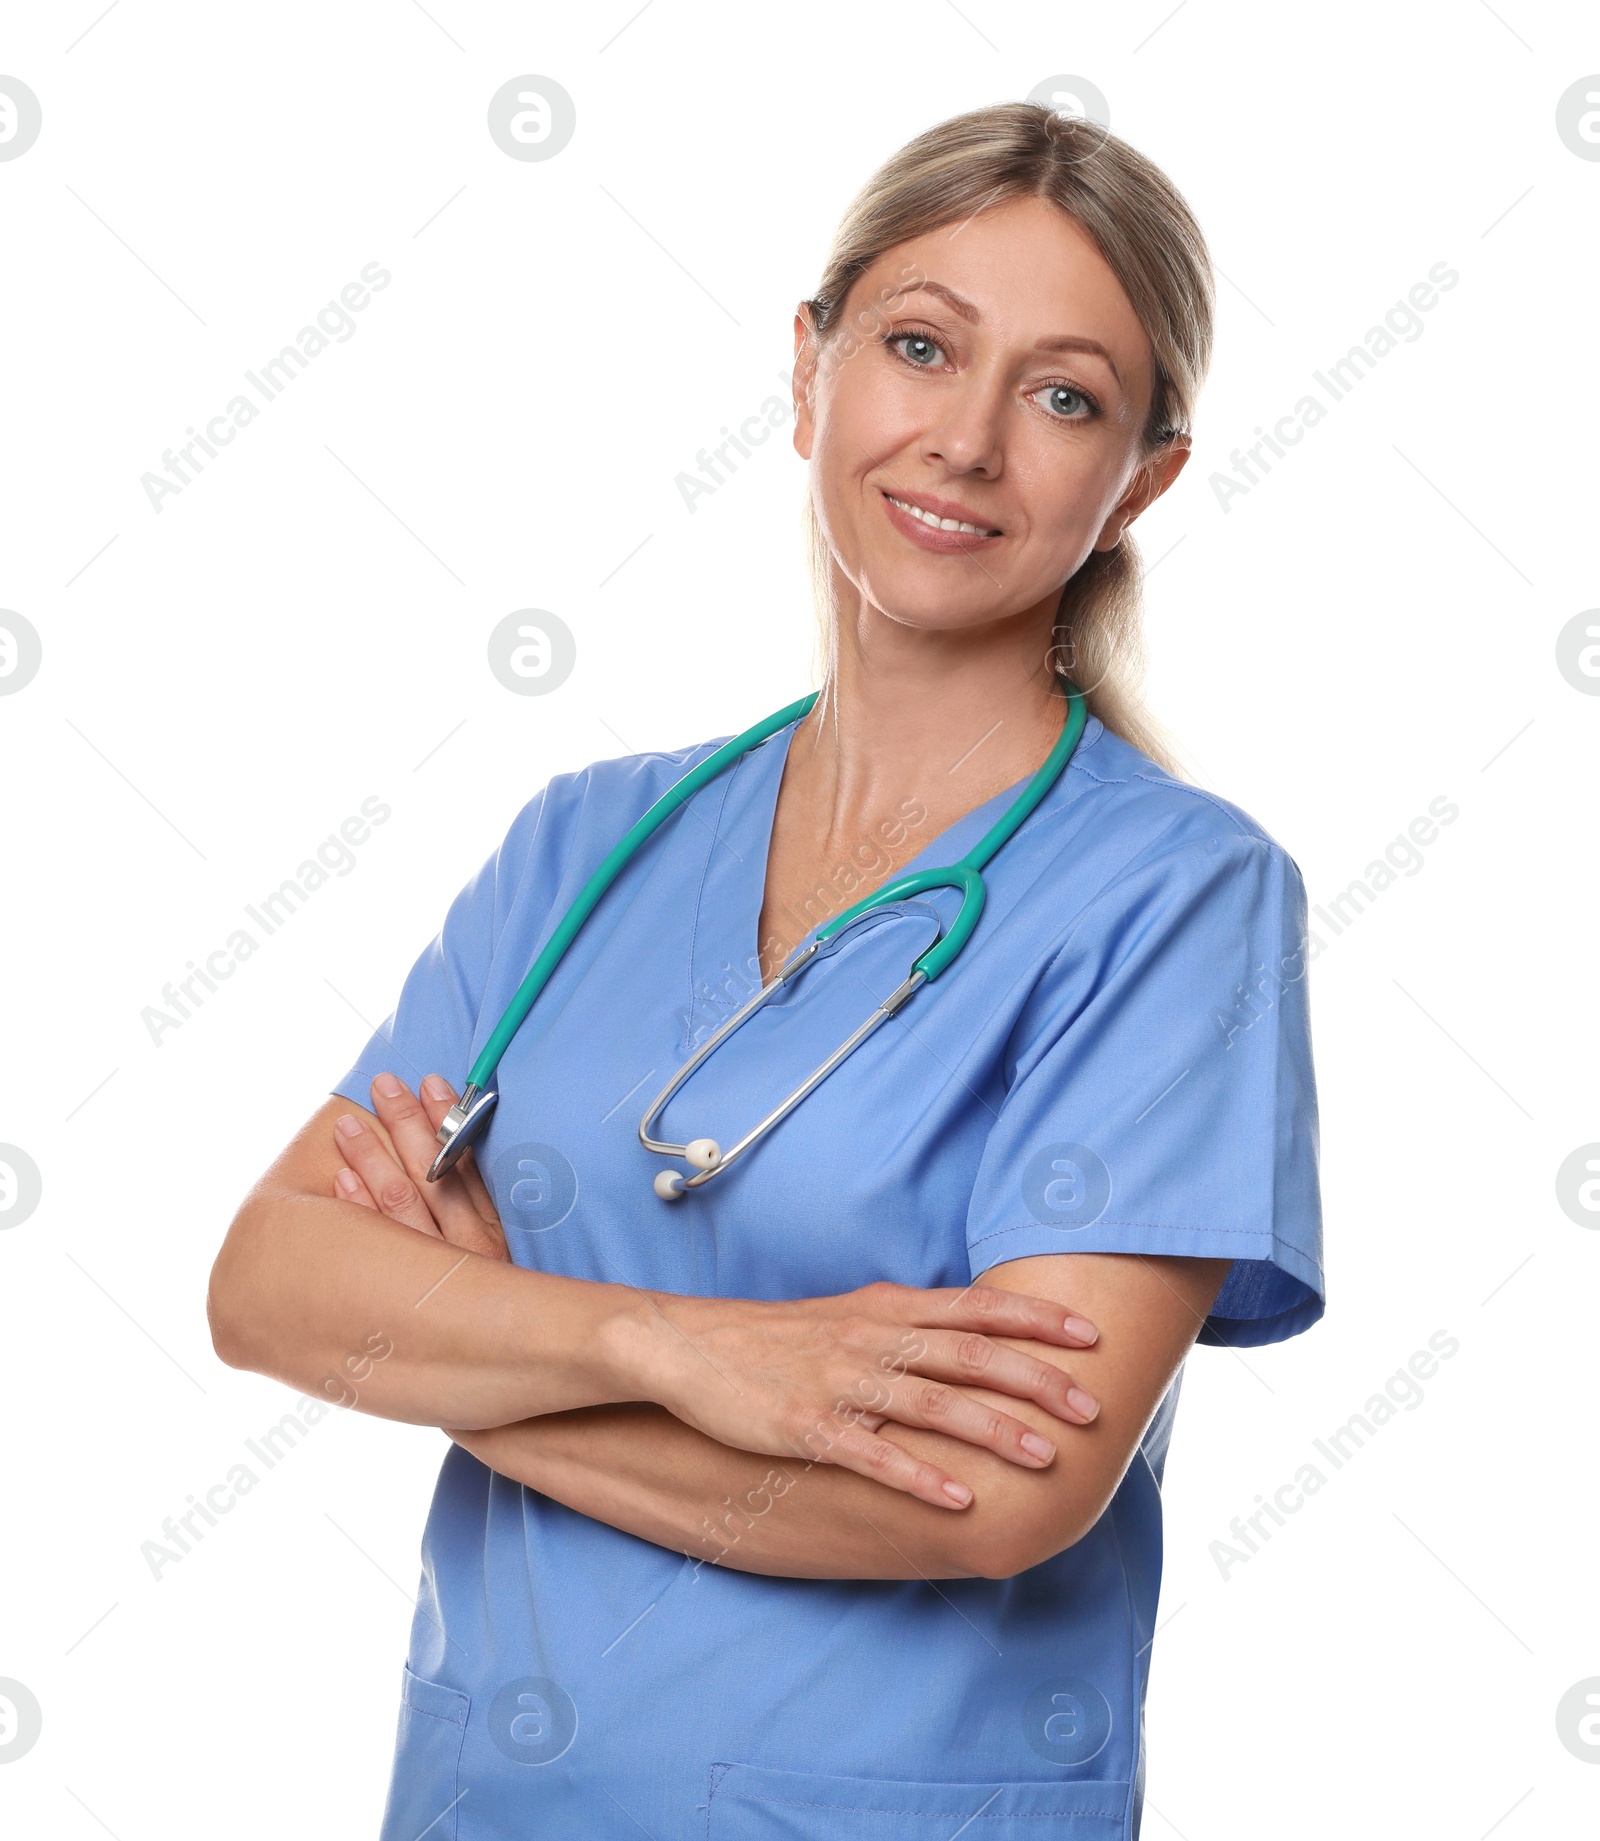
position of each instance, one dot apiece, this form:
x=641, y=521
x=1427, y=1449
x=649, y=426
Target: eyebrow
x=1064, y=342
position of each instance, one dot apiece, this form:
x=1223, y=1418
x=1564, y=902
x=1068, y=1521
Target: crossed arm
x=642, y=1470
x=890, y=1433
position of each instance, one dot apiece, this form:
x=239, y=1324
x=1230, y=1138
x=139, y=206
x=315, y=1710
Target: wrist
x=646, y=1342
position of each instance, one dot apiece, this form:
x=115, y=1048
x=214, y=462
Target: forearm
x=638, y=1468
x=339, y=1301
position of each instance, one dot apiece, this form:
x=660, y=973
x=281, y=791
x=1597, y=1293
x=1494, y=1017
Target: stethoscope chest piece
x=462, y=1124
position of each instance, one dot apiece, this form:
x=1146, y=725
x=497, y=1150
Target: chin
x=928, y=607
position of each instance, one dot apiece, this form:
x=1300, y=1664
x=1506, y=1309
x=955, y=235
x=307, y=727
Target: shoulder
x=1140, y=812
x=604, y=797
x=557, y=837
x=622, y=785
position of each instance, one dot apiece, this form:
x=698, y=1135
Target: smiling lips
x=939, y=525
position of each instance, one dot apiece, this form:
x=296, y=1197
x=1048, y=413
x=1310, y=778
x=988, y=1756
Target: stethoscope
x=470, y=1114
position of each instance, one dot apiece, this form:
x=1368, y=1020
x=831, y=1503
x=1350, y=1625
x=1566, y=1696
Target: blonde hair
x=1152, y=244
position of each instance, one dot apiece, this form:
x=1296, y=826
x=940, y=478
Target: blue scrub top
x=1118, y=1062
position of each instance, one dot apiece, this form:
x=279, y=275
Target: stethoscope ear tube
x=710, y=1160
x=797, y=963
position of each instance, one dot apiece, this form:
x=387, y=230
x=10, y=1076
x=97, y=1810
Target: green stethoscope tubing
x=589, y=895
x=966, y=874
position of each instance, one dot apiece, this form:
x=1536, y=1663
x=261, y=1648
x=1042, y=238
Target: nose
x=967, y=436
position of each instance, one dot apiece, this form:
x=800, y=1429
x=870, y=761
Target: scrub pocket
x=751, y=1803
x=424, y=1786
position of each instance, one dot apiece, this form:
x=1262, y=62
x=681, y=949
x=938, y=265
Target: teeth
x=938, y=524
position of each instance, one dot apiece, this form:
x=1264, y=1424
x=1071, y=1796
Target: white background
x=1373, y=626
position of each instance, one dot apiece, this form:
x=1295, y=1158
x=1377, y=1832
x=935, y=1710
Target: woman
x=761, y=1517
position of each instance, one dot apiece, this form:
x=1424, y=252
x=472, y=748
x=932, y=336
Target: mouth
x=940, y=525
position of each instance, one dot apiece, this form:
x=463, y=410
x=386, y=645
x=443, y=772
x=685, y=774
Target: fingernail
x=435, y=1088
x=347, y=1181
x=1080, y=1402
x=1038, y=1447
x=1080, y=1329
x=958, y=1493
x=388, y=1086
x=347, y=1126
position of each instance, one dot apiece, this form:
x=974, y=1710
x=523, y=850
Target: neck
x=949, y=719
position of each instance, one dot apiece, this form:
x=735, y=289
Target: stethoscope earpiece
x=704, y=1153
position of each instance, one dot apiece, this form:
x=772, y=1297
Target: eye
x=917, y=348
x=1067, y=403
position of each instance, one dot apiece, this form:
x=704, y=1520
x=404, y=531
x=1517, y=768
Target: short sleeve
x=1161, y=1096
x=432, y=1026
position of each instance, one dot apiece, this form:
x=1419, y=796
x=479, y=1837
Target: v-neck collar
x=725, y=939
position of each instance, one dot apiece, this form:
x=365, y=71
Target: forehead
x=1032, y=272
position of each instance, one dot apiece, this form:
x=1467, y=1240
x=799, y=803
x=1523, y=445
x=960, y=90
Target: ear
x=1150, y=479
x=806, y=352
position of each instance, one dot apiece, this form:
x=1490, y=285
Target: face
x=992, y=373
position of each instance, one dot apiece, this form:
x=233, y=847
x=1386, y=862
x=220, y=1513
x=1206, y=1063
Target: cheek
x=871, y=417
x=1067, y=487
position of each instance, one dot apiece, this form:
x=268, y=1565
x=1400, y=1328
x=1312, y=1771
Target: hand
x=818, y=1377
x=457, y=1208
